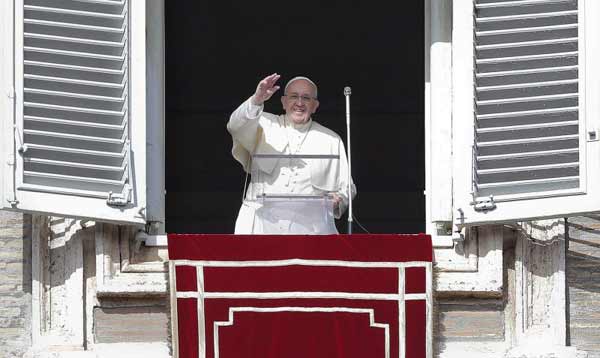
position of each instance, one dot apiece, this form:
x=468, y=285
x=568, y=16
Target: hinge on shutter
x=11, y=93
x=123, y=198
x=485, y=203
x=11, y=163
x=458, y=227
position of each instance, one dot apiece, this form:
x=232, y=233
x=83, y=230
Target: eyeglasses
x=295, y=97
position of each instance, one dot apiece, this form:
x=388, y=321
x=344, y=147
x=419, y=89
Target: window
x=77, y=128
x=524, y=116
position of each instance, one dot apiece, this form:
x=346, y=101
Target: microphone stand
x=347, y=92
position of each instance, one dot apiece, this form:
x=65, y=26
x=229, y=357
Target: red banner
x=301, y=296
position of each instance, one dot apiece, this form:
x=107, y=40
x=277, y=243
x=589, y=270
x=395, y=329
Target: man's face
x=299, y=101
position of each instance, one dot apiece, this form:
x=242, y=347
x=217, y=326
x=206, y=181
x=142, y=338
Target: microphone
x=347, y=92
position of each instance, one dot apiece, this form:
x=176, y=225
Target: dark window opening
x=216, y=52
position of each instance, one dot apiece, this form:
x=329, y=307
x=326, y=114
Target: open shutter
x=526, y=98
x=80, y=117
x=75, y=137
x=524, y=133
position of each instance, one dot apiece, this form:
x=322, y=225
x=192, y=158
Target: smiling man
x=274, y=149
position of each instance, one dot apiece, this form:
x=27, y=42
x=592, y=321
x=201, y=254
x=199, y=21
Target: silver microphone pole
x=347, y=92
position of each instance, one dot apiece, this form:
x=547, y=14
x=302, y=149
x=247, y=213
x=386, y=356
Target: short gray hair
x=301, y=78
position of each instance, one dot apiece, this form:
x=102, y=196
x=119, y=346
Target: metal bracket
x=458, y=227
x=123, y=198
x=150, y=240
x=458, y=234
x=485, y=203
x=152, y=235
x=10, y=161
x=120, y=199
x=22, y=146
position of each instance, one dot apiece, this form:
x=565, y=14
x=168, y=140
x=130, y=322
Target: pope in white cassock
x=289, y=156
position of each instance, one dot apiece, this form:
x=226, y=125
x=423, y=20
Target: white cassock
x=256, y=132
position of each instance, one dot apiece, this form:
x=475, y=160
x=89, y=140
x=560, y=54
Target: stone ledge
x=108, y=350
x=127, y=287
x=470, y=349
x=544, y=351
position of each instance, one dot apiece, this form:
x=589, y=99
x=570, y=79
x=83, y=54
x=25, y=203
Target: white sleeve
x=247, y=111
x=243, y=125
x=253, y=111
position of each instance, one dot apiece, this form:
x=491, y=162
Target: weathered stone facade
x=15, y=284
x=131, y=292
x=583, y=284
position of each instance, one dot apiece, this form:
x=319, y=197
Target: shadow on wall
x=583, y=283
x=583, y=254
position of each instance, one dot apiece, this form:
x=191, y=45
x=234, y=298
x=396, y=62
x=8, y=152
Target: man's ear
x=316, y=106
x=282, y=102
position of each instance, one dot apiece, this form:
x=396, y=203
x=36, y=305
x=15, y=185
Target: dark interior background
x=217, y=51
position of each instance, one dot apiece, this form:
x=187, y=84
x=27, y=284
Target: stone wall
x=583, y=284
x=480, y=324
x=15, y=284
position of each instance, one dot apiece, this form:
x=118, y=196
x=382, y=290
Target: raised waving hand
x=265, y=89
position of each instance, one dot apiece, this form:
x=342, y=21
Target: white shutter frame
x=462, y=99
x=84, y=206
x=155, y=107
x=438, y=121
x=439, y=113
x=6, y=99
x=585, y=200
